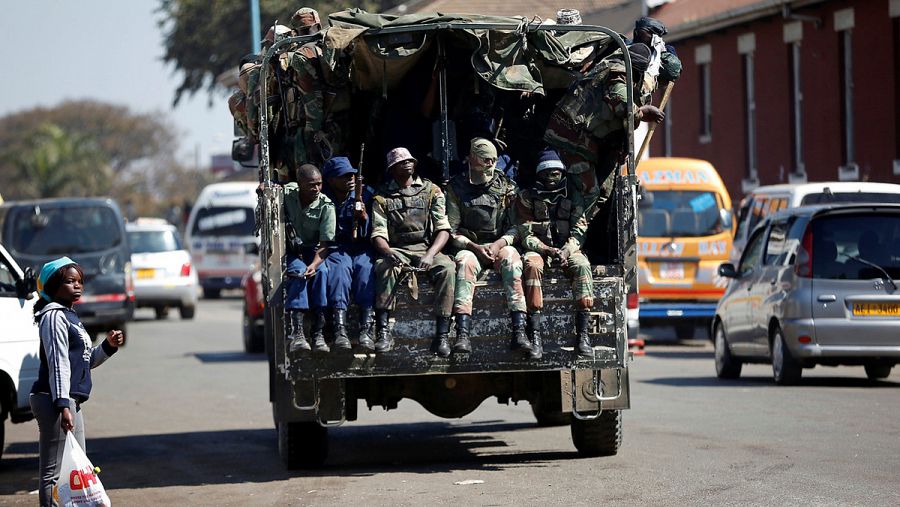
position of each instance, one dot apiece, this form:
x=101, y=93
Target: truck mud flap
x=586, y=393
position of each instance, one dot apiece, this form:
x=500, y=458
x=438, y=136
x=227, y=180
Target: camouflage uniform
x=408, y=220
x=306, y=103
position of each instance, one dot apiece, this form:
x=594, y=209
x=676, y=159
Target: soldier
x=308, y=115
x=409, y=225
x=553, y=228
x=310, y=231
x=482, y=231
x=588, y=126
x=350, y=261
x=664, y=63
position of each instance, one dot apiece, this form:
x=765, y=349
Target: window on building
x=796, y=108
x=846, y=76
x=705, y=103
x=750, y=113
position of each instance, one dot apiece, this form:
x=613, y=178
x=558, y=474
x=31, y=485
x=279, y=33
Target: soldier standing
x=308, y=114
x=553, y=228
x=482, y=231
x=350, y=261
x=310, y=231
x=409, y=225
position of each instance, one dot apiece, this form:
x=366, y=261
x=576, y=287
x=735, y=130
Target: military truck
x=422, y=81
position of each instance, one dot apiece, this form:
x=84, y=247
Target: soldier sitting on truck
x=350, y=261
x=589, y=124
x=553, y=229
x=479, y=209
x=409, y=225
x=310, y=231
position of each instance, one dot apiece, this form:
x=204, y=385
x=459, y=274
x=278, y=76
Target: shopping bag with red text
x=78, y=484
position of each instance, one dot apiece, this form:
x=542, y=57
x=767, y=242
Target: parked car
x=92, y=232
x=163, y=274
x=19, y=342
x=768, y=199
x=815, y=286
x=253, y=314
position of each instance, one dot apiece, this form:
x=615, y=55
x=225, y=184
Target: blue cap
x=549, y=159
x=336, y=167
x=47, y=271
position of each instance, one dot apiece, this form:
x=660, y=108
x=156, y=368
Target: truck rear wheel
x=549, y=417
x=302, y=444
x=598, y=437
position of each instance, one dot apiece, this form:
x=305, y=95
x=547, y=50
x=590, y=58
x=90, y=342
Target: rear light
x=804, y=263
x=632, y=301
x=186, y=269
x=804, y=339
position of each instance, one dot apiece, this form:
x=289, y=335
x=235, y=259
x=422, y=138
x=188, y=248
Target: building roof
x=687, y=18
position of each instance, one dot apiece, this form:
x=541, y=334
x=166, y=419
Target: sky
x=108, y=50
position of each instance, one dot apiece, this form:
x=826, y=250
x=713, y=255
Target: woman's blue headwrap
x=47, y=271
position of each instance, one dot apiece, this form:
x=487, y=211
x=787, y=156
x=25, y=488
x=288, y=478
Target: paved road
x=181, y=416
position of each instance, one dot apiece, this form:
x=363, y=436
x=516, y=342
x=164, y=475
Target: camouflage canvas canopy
x=510, y=53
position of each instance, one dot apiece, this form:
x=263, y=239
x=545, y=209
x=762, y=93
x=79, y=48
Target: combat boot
x=297, y=340
x=535, y=323
x=463, y=330
x=385, y=341
x=366, y=329
x=441, y=343
x=341, y=342
x=582, y=339
x=519, y=339
x=318, y=331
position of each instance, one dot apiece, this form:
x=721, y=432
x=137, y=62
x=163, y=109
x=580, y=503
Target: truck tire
x=598, y=437
x=785, y=369
x=726, y=364
x=876, y=371
x=2, y=437
x=252, y=334
x=302, y=444
x=548, y=417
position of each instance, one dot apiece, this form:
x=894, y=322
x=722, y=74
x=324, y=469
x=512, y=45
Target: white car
x=19, y=342
x=164, y=276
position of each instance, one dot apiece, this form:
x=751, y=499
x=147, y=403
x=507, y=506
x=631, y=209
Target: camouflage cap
x=276, y=33
x=398, y=155
x=482, y=148
x=305, y=17
x=568, y=17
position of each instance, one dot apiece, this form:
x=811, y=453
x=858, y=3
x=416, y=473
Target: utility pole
x=254, y=26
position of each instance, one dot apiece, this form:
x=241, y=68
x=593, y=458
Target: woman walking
x=67, y=356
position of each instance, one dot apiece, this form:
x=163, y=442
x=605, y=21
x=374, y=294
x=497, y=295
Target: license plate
x=876, y=309
x=144, y=274
x=671, y=270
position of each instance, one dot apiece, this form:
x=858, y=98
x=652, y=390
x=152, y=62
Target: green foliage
x=205, y=38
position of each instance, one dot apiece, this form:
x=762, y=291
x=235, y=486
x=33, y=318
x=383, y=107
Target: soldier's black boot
x=366, y=329
x=441, y=343
x=297, y=340
x=385, y=341
x=341, y=342
x=463, y=330
x=535, y=323
x=582, y=340
x=519, y=339
x=318, y=331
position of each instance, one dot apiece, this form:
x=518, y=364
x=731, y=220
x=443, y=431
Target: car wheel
x=727, y=366
x=785, y=369
x=684, y=331
x=211, y=293
x=187, y=312
x=877, y=371
x=161, y=312
x=2, y=436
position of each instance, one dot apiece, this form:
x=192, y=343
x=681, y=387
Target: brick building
x=778, y=91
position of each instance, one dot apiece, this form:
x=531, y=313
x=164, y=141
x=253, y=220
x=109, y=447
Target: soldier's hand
x=652, y=114
x=310, y=272
x=496, y=246
x=483, y=253
x=395, y=259
x=563, y=256
x=360, y=213
x=426, y=261
x=319, y=136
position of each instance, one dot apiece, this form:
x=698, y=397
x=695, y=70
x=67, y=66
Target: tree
x=205, y=38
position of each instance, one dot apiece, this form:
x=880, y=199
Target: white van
x=765, y=200
x=219, y=234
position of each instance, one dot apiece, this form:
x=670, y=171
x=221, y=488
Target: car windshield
x=679, y=213
x=153, y=241
x=64, y=230
x=822, y=197
x=842, y=243
x=223, y=221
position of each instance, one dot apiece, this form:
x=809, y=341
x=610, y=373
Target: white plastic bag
x=78, y=485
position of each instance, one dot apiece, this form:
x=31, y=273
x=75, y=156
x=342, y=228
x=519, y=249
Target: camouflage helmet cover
x=276, y=33
x=305, y=17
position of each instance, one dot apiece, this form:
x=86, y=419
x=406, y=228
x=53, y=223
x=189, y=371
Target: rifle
x=358, y=206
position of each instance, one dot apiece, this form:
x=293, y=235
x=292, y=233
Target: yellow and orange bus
x=685, y=226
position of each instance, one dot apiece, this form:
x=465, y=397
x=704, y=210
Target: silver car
x=164, y=275
x=815, y=285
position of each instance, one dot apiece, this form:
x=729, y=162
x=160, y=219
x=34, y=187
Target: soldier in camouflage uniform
x=409, y=226
x=306, y=104
x=553, y=228
x=588, y=126
x=482, y=232
x=310, y=232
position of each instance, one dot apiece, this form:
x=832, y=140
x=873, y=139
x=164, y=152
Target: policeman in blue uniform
x=350, y=264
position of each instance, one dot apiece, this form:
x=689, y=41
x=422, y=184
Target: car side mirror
x=243, y=151
x=27, y=285
x=726, y=270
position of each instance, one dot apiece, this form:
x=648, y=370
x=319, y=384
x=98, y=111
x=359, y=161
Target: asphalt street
x=181, y=416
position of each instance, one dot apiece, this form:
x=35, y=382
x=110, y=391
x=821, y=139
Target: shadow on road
x=236, y=456
x=227, y=357
x=766, y=381
x=706, y=354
